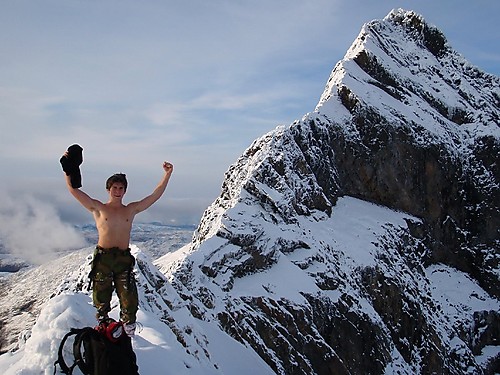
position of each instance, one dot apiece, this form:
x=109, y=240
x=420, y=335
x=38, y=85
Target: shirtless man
x=112, y=264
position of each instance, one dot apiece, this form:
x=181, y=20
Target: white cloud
x=32, y=230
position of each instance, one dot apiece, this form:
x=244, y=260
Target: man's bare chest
x=114, y=218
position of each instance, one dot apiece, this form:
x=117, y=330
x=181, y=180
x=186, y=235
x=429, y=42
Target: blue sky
x=193, y=82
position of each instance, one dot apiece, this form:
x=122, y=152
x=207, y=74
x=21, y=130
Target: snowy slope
x=170, y=341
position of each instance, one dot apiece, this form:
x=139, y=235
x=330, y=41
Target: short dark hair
x=117, y=177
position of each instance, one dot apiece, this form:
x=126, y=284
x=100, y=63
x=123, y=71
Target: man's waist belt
x=112, y=250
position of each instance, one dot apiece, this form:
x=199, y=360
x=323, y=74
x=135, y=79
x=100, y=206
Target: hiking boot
x=129, y=329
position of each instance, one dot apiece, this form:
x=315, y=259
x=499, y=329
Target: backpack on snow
x=103, y=350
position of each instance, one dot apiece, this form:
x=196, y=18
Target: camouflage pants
x=113, y=269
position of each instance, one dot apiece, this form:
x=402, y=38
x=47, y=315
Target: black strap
x=77, y=350
x=60, y=358
x=92, y=273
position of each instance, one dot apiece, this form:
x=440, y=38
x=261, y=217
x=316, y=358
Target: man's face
x=117, y=190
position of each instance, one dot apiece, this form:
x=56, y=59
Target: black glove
x=71, y=165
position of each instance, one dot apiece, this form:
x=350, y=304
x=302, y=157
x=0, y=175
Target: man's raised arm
x=82, y=197
x=86, y=201
x=146, y=202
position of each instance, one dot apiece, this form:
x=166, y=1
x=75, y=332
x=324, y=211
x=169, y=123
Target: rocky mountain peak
x=405, y=58
x=402, y=149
